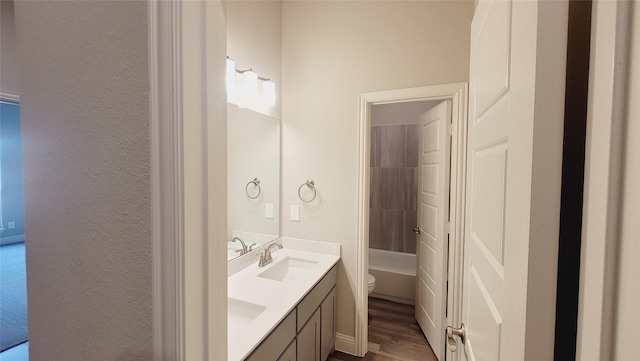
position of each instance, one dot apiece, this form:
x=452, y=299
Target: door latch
x=452, y=332
x=416, y=230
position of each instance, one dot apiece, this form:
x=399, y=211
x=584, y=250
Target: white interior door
x=487, y=175
x=513, y=179
x=433, y=220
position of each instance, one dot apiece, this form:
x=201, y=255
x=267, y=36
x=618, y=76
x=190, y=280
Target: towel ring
x=256, y=184
x=312, y=186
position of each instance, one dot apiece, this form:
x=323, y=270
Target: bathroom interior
x=253, y=192
x=393, y=213
x=268, y=202
x=85, y=87
x=293, y=165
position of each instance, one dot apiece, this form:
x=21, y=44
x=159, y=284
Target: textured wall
x=12, y=183
x=394, y=187
x=85, y=122
x=332, y=52
x=9, y=67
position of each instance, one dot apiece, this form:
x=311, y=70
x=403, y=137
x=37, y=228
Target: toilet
x=372, y=283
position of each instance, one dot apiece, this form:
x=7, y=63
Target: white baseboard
x=12, y=239
x=346, y=344
x=9, y=96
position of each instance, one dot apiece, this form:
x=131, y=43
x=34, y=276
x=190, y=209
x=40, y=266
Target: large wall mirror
x=253, y=180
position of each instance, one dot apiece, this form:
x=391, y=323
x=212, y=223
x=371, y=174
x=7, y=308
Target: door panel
x=486, y=180
x=485, y=320
x=488, y=200
x=433, y=201
x=512, y=186
x=492, y=43
x=308, y=339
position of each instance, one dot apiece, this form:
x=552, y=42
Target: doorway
x=13, y=282
x=393, y=212
x=456, y=94
x=409, y=183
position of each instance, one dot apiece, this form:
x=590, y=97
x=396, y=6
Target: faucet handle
x=251, y=247
x=265, y=258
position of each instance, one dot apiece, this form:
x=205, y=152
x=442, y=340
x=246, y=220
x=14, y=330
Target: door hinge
x=449, y=129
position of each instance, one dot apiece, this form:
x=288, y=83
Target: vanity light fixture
x=268, y=92
x=250, y=84
x=244, y=91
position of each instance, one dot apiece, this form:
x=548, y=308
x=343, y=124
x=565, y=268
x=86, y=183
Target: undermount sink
x=241, y=313
x=288, y=270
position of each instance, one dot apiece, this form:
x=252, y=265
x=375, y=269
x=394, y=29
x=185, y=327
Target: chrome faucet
x=265, y=258
x=244, y=249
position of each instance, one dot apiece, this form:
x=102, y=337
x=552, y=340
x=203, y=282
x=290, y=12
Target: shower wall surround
x=394, y=187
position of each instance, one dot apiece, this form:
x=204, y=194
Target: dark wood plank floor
x=394, y=335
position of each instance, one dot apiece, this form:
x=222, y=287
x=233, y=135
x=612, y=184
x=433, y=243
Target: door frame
x=188, y=179
x=609, y=78
x=458, y=94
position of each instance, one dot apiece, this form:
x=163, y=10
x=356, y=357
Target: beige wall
x=9, y=68
x=332, y=52
x=85, y=123
x=399, y=113
x=254, y=40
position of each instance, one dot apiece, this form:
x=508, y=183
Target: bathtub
x=395, y=274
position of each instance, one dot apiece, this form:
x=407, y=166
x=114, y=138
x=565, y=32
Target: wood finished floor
x=394, y=335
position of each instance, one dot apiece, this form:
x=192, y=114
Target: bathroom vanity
x=284, y=310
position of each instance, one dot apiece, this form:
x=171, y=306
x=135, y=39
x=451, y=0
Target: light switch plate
x=295, y=213
x=268, y=210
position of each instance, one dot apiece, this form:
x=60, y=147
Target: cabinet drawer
x=277, y=341
x=312, y=300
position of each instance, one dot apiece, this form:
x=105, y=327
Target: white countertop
x=278, y=297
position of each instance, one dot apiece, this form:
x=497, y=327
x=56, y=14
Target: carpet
x=13, y=296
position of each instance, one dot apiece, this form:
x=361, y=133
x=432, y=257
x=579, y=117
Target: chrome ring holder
x=256, y=184
x=312, y=186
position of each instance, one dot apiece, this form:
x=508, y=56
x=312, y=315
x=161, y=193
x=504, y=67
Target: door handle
x=416, y=230
x=452, y=332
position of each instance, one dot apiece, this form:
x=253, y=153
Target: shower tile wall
x=394, y=185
